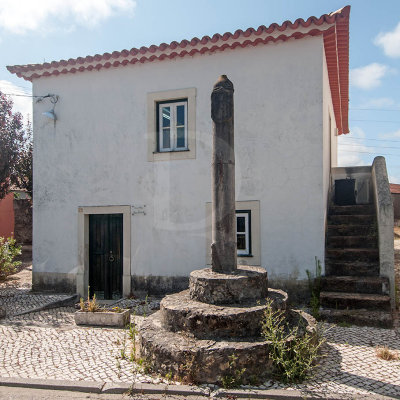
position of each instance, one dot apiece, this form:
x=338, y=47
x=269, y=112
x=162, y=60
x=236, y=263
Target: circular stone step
x=246, y=284
x=180, y=313
x=206, y=361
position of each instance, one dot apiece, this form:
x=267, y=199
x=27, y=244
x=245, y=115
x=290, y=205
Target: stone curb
x=280, y=394
x=75, y=386
x=173, y=390
x=148, y=388
x=71, y=300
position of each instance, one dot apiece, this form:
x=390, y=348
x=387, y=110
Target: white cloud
x=368, y=77
x=351, y=148
x=380, y=102
x=390, y=135
x=390, y=42
x=23, y=16
x=21, y=104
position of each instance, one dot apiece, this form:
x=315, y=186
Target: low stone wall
x=384, y=212
x=23, y=221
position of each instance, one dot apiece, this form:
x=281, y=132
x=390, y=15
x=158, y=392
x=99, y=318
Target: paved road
x=48, y=345
x=7, y=393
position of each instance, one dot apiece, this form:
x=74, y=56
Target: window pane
x=166, y=116
x=241, y=242
x=240, y=224
x=166, y=138
x=180, y=137
x=180, y=115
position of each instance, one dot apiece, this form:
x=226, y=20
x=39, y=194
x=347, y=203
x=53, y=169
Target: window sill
x=245, y=255
x=171, y=151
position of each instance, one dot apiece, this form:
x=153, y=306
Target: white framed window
x=248, y=231
x=173, y=139
x=172, y=126
x=243, y=232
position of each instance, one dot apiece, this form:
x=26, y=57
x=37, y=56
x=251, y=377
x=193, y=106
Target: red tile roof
x=394, y=188
x=334, y=28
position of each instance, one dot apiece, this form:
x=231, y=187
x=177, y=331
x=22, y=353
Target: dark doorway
x=105, y=256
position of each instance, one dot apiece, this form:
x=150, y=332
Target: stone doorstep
x=355, y=284
x=362, y=317
x=181, y=390
x=350, y=230
x=352, y=254
x=352, y=241
x=364, y=209
x=343, y=300
x=368, y=219
x=351, y=268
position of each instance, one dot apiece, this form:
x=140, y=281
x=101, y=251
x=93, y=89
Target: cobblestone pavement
x=48, y=344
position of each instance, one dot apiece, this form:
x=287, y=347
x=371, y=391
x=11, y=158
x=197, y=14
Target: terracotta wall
x=23, y=221
x=7, y=216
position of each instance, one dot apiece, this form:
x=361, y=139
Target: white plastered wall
x=96, y=155
x=329, y=137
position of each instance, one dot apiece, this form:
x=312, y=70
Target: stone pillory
x=197, y=331
x=223, y=248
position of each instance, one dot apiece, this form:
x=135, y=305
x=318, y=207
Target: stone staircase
x=352, y=290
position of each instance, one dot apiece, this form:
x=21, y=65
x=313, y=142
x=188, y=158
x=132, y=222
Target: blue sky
x=34, y=31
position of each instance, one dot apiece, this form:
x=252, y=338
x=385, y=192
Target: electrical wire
x=19, y=95
x=375, y=109
x=367, y=152
x=374, y=120
x=375, y=140
x=372, y=147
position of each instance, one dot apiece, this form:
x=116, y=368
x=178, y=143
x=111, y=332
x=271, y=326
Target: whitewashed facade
x=101, y=156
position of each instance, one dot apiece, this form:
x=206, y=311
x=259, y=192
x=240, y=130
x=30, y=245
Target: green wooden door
x=105, y=255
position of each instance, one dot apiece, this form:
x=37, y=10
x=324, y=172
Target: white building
x=132, y=142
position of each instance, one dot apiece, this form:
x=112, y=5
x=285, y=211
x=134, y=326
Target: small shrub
x=314, y=284
x=293, y=351
x=90, y=305
x=235, y=376
x=386, y=354
x=132, y=336
x=8, y=251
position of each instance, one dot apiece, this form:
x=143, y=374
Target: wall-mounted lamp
x=50, y=114
x=53, y=99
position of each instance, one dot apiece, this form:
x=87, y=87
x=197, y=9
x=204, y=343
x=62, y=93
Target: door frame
x=82, y=276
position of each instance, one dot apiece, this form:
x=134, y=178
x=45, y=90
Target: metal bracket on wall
x=138, y=210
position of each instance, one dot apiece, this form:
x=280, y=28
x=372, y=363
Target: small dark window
x=243, y=232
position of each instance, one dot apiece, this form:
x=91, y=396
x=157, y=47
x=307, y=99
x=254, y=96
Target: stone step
x=180, y=313
x=351, y=230
x=352, y=268
x=363, y=317
x=208, y=361
x=358, y=284
x=339, y=300
x=352, y=254
x=367, y=219
x=352, y=210
x=352, y=242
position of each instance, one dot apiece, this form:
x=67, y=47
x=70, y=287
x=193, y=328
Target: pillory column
x=223, y=248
